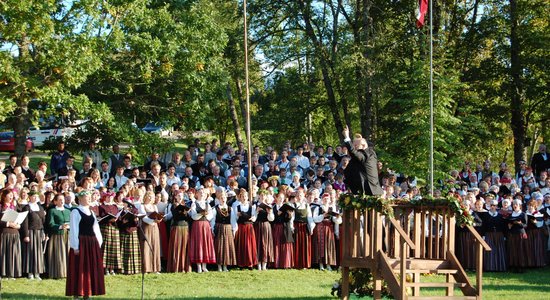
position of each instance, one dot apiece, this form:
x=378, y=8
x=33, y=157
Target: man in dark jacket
x=540, y=161
x=361, y=174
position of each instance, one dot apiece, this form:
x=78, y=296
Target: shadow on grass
x=31, y=296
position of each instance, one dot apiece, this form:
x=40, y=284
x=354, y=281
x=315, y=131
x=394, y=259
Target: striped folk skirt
x=85, y=274
x=536, y=254
x=57, y=251
x=517, y=251
x=465, y=249
x=283, y=251
x=131, y=253
x=112, y=255
x=33, y=253
x=264, y=242
x=245, y=246
x=324, y=246
x=495, y=260
x=150, y=247
x=178, y=260
x=225, y=245
x=201, y=243
x=10, y=258
x=302, y=246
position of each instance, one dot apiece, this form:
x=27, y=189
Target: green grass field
x=272, y=284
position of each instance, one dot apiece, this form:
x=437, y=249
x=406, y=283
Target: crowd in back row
x=179, y=211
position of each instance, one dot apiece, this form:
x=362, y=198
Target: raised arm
x=354, y=152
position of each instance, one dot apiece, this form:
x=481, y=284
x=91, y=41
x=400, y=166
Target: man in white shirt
x=302, y=161
x=120, y=179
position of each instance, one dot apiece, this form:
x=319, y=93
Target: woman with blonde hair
x=201, y=243
x=150, y=246
x=242, y=218
x=224, y=240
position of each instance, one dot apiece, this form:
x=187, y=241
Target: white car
x=39, y=135
x=159, y=129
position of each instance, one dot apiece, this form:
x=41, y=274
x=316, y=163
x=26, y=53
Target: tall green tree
x=47, y=49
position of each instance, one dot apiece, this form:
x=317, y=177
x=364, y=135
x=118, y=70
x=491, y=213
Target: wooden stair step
x=436, y=284
x=421, y=264
x=433, y=271
x=442, y=297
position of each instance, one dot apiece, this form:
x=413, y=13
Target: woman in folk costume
x=242, y=217
x=108, y=214
x=201, y=243
x=129, y=240
x=178, y=258
x=150, y=246
x=262, y=229
x=323, y=241
x=85, y=274
x=283, y=241
x=10, y=243
x=493, y=228
x=224, y=240
x=57, y=222
x=161, y=201
x=303, y=228
x=517, y=238
x=33, y=235
x=536, y=251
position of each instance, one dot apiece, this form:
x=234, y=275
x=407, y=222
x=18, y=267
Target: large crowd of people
x=191, y=211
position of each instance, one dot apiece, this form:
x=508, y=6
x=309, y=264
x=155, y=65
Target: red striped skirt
x=201, y=243
x=245, y=245
x=302, y=246
x=324, y=247
x=283, y=252
x=178, y=260
x=264, y=242
x=85, y=273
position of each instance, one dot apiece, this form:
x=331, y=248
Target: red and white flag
x=421, y=12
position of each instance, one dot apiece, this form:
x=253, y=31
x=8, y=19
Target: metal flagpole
x=247, y=92
x=431, y=103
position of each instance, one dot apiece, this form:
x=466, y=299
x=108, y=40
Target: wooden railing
x=381, y=244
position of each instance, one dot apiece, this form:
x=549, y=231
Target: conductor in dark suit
x=361, y=174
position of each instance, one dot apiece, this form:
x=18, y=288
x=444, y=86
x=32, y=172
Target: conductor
x=361, y=174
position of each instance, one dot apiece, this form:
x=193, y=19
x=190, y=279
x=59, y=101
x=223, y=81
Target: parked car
x=161, y=129
x=7, y=142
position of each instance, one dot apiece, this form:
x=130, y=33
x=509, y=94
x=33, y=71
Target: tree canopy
x=316, y=66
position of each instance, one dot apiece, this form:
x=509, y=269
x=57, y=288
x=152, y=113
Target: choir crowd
x=191, y=211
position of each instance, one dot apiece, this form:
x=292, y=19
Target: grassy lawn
x=273, y=284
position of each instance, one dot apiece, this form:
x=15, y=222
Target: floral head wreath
x=83, y=193
x=32, y=193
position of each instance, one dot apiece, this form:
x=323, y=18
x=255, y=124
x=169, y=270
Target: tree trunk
x=365, y=108
x=21, y=126
x=323, y=63
x=516, y=88
x=241, y=98
x=234, y=115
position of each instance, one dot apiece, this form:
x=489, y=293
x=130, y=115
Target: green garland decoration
x=385, y=206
